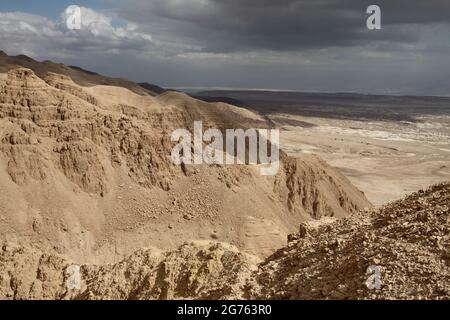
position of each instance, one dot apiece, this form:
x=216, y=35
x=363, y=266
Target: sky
x=305, y=45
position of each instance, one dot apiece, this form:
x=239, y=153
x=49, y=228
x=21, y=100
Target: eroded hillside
x=86, y=171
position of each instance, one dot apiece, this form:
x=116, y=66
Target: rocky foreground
x=407, y=240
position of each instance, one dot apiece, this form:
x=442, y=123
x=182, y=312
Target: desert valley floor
x=385, y=160
x=388, y=146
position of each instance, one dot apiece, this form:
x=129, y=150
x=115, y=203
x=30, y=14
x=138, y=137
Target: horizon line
x=366, y=93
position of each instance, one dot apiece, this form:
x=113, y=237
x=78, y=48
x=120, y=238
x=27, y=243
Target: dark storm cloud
x=283, y=25
x=321, y=45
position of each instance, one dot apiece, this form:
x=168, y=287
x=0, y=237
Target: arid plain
x=388, y=146
x=385, y=160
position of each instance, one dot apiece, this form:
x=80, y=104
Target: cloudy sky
x=320, y=45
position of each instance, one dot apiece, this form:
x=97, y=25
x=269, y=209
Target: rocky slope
x=408, y=240
x=86, y=171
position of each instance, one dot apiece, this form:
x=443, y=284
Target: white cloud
x=28, y=33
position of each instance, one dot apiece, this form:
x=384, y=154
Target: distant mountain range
x=78, y=75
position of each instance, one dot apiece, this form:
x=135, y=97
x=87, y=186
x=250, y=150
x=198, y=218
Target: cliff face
x=87, y=170
x=311, y=188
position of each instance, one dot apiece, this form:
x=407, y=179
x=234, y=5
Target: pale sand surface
x=384, y=159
